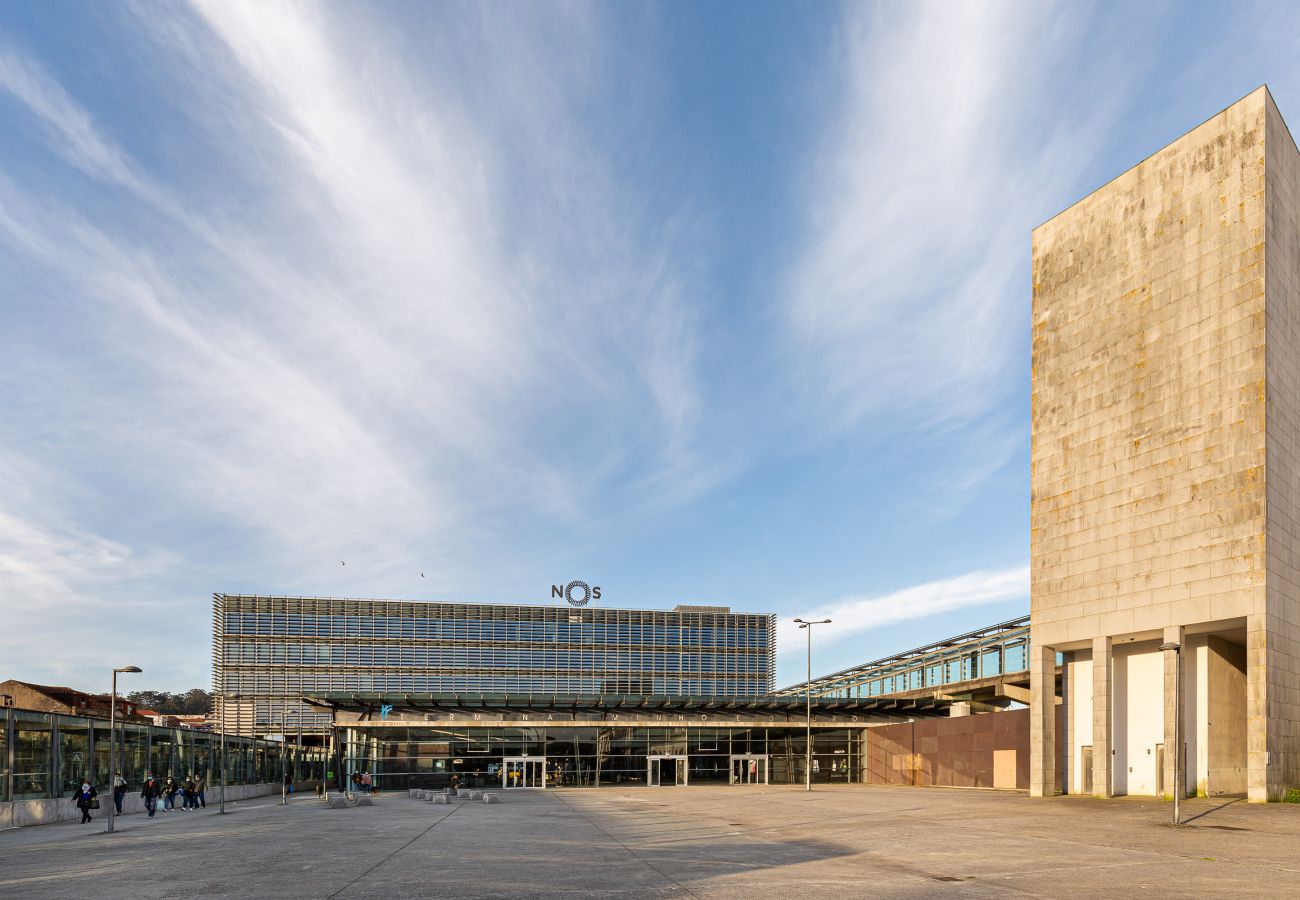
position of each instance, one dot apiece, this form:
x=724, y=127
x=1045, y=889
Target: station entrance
x=523, y=772
x=666, y=771
x=749, y=769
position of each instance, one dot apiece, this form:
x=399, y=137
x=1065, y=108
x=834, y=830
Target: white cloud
x=414, y=326
x=851, y=616
x=908, y=303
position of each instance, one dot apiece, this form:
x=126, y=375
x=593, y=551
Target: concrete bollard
x=491, y=798
x=364, y=800
x=338, y=803
x=440, y=799
x=476, y=795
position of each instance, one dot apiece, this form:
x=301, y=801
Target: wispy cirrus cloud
x=908, y=304
x=414, y=324
x=852, y=617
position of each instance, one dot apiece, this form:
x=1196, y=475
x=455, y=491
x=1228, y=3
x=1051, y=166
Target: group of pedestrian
x=362, y=782
x=191, y=793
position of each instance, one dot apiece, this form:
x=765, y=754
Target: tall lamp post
x=224, y=698
x=112, y=741
x=1178, y=725
x=807, y=762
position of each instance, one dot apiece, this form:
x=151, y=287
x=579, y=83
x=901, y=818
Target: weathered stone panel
x=1166, y=419
x=1148, y=496
x=1280, y=706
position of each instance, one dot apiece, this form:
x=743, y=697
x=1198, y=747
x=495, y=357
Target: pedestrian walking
x=191, y=800
x=149, y=793
x=119, y=791
x=287, y=787
x=170, y=790
x=200, y=786
x=366, y=782
x=86, y=798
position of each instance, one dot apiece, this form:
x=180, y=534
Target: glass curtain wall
x=74, y=756
x=33, y=756
x=398, y=758
x=5, y=725
x=45, y=756
x=134, y=754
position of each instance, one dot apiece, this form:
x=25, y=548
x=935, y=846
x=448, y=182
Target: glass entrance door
x=749, y=769
x=523, y=772
x=666, y=771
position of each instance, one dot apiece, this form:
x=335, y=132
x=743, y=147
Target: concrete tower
x=1166, y=469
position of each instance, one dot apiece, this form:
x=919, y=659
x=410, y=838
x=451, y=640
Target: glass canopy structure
x=991, y=652
x=426, y=741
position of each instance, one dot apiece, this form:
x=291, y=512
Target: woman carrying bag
x=87, y=799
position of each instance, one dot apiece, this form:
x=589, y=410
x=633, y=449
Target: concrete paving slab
x=702, y=842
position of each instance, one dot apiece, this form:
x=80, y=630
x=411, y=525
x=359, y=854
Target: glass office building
x=270, y=652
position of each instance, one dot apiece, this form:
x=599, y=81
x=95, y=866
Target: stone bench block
x=364, y=800
x=440, y=799
x=491, y=798
x=476, y=795
x=338, y=803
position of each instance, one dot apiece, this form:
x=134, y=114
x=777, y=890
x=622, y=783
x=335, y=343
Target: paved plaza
x=673, y=842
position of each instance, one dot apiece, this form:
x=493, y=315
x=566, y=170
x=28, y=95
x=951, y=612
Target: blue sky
x=709, y=303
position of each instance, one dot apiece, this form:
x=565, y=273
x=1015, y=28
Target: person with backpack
x=149, y=793
x=200, y=787
x=86, y=800
x=119, y=791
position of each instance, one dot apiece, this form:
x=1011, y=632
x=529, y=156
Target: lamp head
x=1171, y=645
x=129, y=669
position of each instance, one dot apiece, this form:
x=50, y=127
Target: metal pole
x=807, y=766
x=1179, y=780
x=1178, y=734
x=112, y=752
x=223, y=745
x=112, y=742
x=807, y=759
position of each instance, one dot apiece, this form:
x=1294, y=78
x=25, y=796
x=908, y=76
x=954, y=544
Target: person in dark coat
x=149, y=793
x=119, y=791
x=85, y=798
x=170, y=789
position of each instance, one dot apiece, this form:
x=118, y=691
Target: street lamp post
x=112, y=743
x=807, y=762
x=1178, y=725
x=222, y=811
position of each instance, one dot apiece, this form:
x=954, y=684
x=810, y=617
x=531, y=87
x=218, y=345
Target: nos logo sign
x=577, y=593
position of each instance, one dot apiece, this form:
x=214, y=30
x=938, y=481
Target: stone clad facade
x=1166, y=468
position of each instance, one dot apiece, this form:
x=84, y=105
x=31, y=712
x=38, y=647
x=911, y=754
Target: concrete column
x=1042, y=721
x=1259, y=787
x=1102, y=757
x=1173, y=740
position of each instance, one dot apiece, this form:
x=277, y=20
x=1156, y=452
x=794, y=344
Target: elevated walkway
x=989, y=665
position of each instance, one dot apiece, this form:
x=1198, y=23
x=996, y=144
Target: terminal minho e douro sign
x=578, y=593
